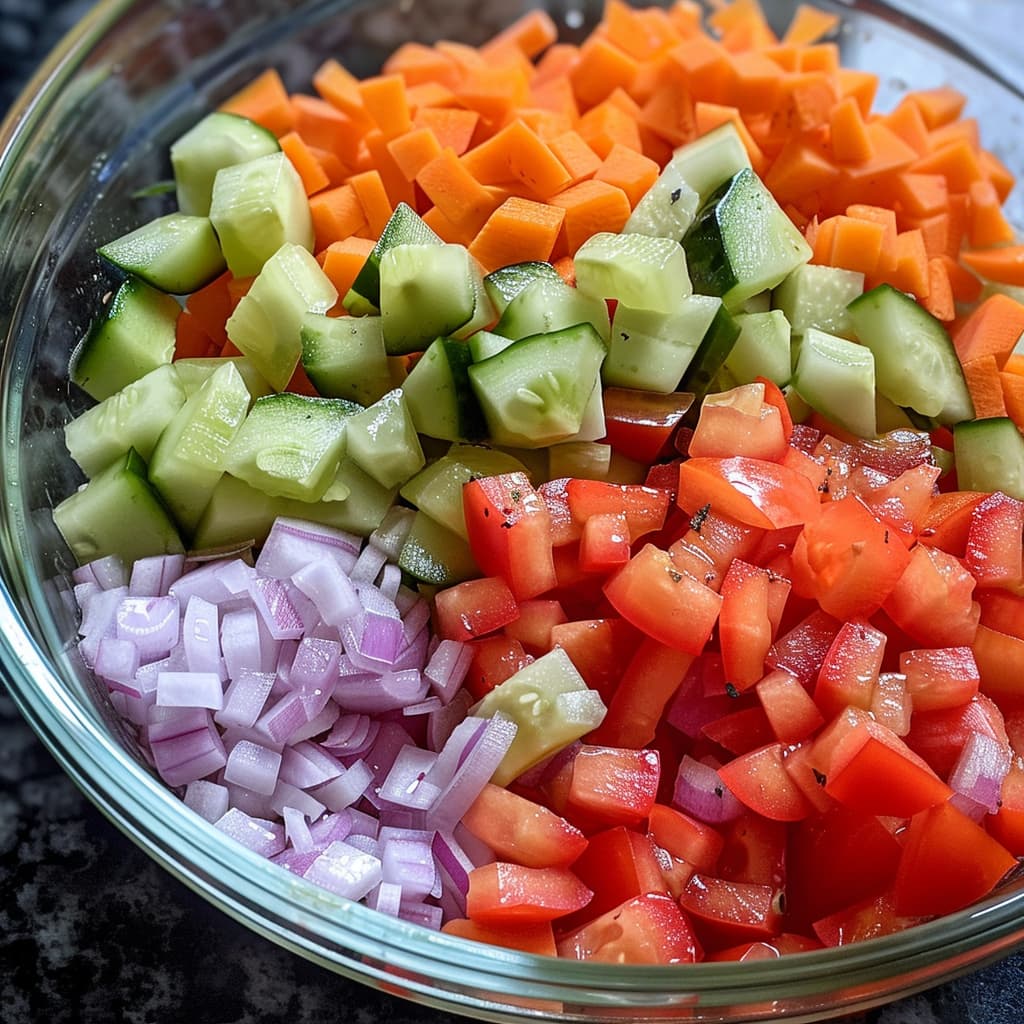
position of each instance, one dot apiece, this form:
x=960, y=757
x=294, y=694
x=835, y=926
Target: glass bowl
x=76, y=153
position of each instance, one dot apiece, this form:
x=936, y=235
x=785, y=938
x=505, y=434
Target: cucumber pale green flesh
x=707, y=363
x=545, y=306
x=194, y=373
x=257, y=207
x=134, y=418
x=383, y=441
x=667, y=208
x=535, y=392
x=440, y=396
x=837, y=378
x=916, y=363
x=709, y=161
x=762, y=348
x=266, y=325
x=176, y=253
x=741, y=242
x=136, y=335
x=638, y=270
x=117, y=513
x=505, y=283
x=651, y=351
x=817, y=296
x=344, y=357
x=434, y=554
x=290, y=445
x=989, y=456
x=219, y=140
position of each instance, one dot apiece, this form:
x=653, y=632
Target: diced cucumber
x=837, y=378
x=666, y=209
x=741, y=242
x=437, y=489
x=715, y=348
x=189, y=458
x=762, y=348
x=439, y=395
x=890, y=416
x=194, y=373
x=485, y=344
x=434, y=554
x=545, y=306
x=177, y=253
x=651, y=351
x=640, y=271
x=344, y=356
x=989, y=456
x=134, y=337
x=117, y=513
x=711, y=160
x=219, y=140
x=504, y=284
x=535, y=392
x=404, y=227
x=290, y=445
x=759, y=303
x=364, y=506
x=134, y=418
x=592, y=424
x=916, y=364
x=382, y=440
x=817, y=296
x=426, y=292
x=799, y=410
x=267, y=323
x=585, y=460
x=257, y=207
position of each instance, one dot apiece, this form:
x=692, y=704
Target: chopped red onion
x=208, y=799
x=167, y=723
x=427, y=706
x=390, y=581
x=424, y=914
x=84, y=591
x=347, y=788
x=153, y=576
x=99, y=619
x=185, y=759
x=386, y=898
x=368, y=565
x=235, y=576
x=405, y=599
x=117, y=661
x=296, y=830
x=414, y=619
x=109, y=572
x=233, y=736
x=351, y=735
x=258, y=805
x=979, y=772
x=241, y=643
x=453, y=862
x=263, y=837
x=414, y=654
x=387, y=692
x=315, y=665
x=405, y=784
x=288, y=796
x=253, y=766
x=244, y=698
x=457, y=748
x=448, y=667
x=295, y=862
x=391, y=534
x=293, y=543
x=284, y=718
x=409, y=863
x=345, y=870
x=441, y=723
x=273, y=602
x=700, y=792
x=201, y=581
x=330, y=590
x=307, y=764
x=333, y=826
x=201, y=636
x=189, y=690
x=318, y=724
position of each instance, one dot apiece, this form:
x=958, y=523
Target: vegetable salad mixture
x=572, y=496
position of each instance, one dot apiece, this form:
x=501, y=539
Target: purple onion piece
x=700, y=792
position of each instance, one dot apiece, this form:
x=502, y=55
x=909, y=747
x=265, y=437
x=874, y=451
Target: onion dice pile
x=282, y=694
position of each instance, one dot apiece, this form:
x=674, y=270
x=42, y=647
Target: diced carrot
x=786, y=55
x=1014, y=363
x=339, y=87
x=418, y=64
x=606, y=125
x=565, y=267
x=397, y=186
x=935, y=232
x=556, y=63
x=874, y=180
x=964, y=129
x=428, y=94
x=1013, y=396
x=545, y=124
x=956, y=162
x=987, y=224
x=323, y=125
x=939, y=301
x=331, y=165
x=633, y=172
x=808, y=25
x=939, y=106
x=982, y=377
x=531, y=34
x=590, y=207
x=861, y=85
x=211, y=306
x=911, y=273
x=958, y=222
x=265, y=101
x=337, y=214
x=1004, y=264
x=343, y=260
x=190, y=340
x=313, y=176
x=705, y=67
x=446, y=229
x=466, y=58
x=556, y=96
x=669, y=114
x=494, y=92
x=635, y=32
x=848, y=133
x=518, y=230
x=823, y=238
x=798, y=171
x=922, y=195
x=453, y=127
x=997, y=172
x=238, y=288
x=414, y=150
x=966, y=287
x=602, y=67
x=578, y=159
x=806, y=99
x=857, y=244
x=743, y=23
x=711, y=115
x=456, y=191
x=818, y=57
x=907, y=122
x=887, y=218
x=374, y=200
x=385, y=102
x=756, y=82
x=518, y=153
x=994, y=328
x=686, y=17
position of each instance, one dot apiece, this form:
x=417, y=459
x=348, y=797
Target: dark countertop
x=92, y=931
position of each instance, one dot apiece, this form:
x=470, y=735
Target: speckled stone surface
x=92, y=932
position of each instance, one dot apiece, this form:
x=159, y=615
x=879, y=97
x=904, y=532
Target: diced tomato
x=773, y=396
x=684, y=837
x=740, y=731
x=802, y=769
x=1007, y=825
x=724, y=913
x=948, y=862
x=760, y=781
x=537, y=617
x=599, y=648
x=1002, y=611
x=869, y=918
x=890, y=704
x=744, y=624
x=612, y=786
x=801, y=652
x=739, y=422
x=939, y=736
x=522, y=831
x=564, y=530
x=509, y=528
x=995, y=554
x=802, y=463
x=770, y=949
x=645, y=508
x=790, y=709
x=536, y=938
x=495, y=659
x=647, y=929
x=750, y=491
x=640, y=424
x=711, y=545
x=940, y=678
x=604, y=545
x=851, y=559
x=666, y=604
x=850, y=669
x=933, y=600
x=754, y=851
x=948, y=521
x=502, y=894
x=474, y=608
x=895, y=452
x=1000, y=659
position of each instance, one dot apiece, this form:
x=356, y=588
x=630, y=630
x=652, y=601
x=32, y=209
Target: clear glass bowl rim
x=349, y=938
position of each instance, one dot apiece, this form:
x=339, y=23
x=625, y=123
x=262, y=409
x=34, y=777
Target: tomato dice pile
x=811, y=650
